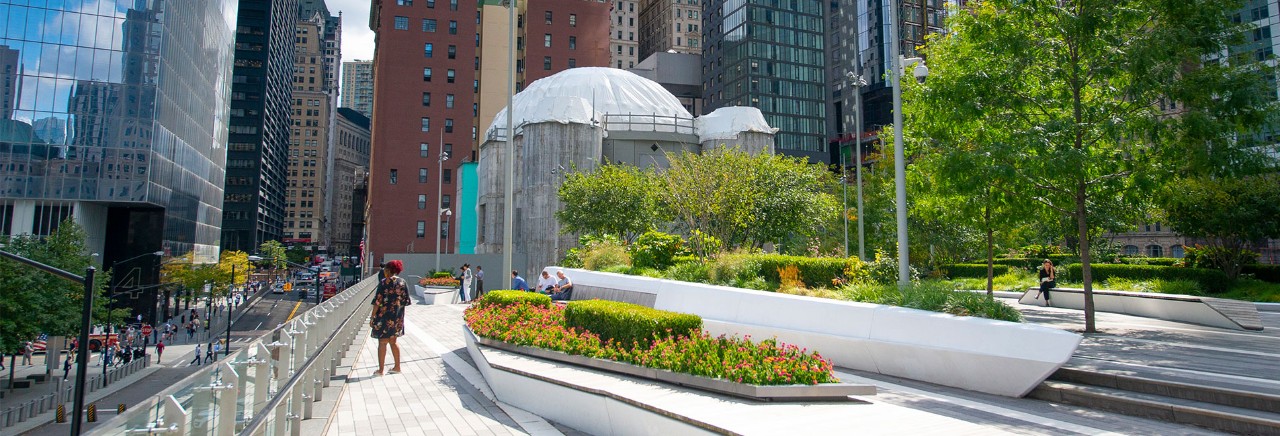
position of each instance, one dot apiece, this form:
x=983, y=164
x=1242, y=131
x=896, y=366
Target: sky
x=357, y=39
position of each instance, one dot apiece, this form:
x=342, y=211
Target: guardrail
x=64, y=393
x=266, y=388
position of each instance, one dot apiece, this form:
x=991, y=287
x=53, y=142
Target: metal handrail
x=300, y=373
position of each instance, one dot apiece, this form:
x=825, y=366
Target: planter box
x=436, y=294
x=1213, y=312
x=826, y=391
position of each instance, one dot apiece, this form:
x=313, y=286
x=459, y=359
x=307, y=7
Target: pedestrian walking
x=479, y=281
x=197, y=361
x=66, y=366
x=27, y=351
x=387, y=320
x=208, y=353
x=467, y=282
x=159, y=351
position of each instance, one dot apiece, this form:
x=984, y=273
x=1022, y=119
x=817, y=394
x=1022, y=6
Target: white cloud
x=357, y=39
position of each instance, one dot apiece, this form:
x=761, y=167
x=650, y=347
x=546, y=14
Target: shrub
x=511, y=297
x=1266, y=273
x=789, y=277
x=655, y=249
x=617, y=269
x=1139, y=260
x=1183, y=287
x=694, y=272
x=884, y=269
x=1211, y=280
x=438, y=281
x=934, y=296
x=628, y=323
x=730, y=269
x=814, y=271
x=973, y=270
x=980, y=305
x=605, y=254
x=442, y=275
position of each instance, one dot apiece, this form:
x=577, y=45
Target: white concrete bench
x=978, y=354
x=436, y=294
x=1213, y=312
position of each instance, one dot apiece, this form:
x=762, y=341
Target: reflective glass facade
x=768, y=54
x=122, y=105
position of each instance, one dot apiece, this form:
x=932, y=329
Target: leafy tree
x=1065, y=102
x=1230, y=213
x=297, y=255
x=615, y=200
x=274, y=254
x=33, y=301
x=747, y=200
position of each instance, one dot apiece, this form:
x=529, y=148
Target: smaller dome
x=728, y=122
x=590, y=93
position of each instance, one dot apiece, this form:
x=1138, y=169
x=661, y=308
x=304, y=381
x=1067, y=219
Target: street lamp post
x=508, y=202
x=226, y=348
x=439, y=199
x=899, y=158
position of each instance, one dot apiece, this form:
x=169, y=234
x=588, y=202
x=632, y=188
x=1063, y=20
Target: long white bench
x=978, y=354
x=1213, y=312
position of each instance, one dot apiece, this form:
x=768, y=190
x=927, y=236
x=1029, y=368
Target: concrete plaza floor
x=441, y=392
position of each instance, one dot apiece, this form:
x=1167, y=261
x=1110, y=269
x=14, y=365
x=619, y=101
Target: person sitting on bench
x=545, y=283
x=563, y=290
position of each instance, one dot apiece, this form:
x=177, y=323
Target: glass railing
x=267, y=387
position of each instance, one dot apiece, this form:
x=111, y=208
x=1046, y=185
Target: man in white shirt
x=545, y=283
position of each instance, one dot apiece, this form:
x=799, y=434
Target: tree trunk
x=986, y=217
x=1086, y=271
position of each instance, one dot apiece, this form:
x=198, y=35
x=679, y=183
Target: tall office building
x=260, y=124
x=350, y=165
x=624, y=34
x=310, y=147
x=670, y=26
x=357, y=86
x=778, y=68
x=440, y=75
x=106, y=130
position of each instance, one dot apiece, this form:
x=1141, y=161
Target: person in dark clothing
x=66, y=366
x=1048, y=280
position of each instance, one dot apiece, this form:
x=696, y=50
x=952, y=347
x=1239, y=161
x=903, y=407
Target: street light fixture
x=899, y=158
x=857, y=82
x=440, y=199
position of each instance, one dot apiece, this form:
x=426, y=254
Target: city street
x=263, y=316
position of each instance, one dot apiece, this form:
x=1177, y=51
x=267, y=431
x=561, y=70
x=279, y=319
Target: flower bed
x=733, y=359
x=438, y=281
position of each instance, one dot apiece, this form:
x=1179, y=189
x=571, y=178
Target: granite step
x=1159, y=407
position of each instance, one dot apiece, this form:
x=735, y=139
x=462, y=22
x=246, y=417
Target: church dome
x=584, y=95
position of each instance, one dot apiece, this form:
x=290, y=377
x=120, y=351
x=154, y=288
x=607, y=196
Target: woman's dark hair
x=395, y=266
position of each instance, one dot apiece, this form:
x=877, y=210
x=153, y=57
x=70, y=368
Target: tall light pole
x=508, y=204
x=446, y=214
x=899, y=160
x=439, y=199
x=857, y=82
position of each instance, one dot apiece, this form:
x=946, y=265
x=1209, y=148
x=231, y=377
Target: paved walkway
x=440, y=391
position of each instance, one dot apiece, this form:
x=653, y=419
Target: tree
x=274, y=254
x=618, y=200
x=297, y=255
x=1230, y=213
x=1066, y=101
x=33, y=301
x=747, y=200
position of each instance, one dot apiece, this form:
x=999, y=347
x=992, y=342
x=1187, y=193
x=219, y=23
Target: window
x=444, y=230
x=1177, y=251
x=431, y=4
x=422, y=176
x=573, y=20
x=448, y=149
x=453, y=27
x=422, y=201
x=394, y=176
x=427, y=50
x=426, y=99
x=546, y=62
x=422, y=229
x=428, y=25
x=426, y=74
x=402, y=23
x=447, y=175
x=547, y=14
x=448, y=100
x=426, y=124
x=573, y=43
x=1131, y=250
x=448, y=125
x=450, y=75
x=573, y=63
x=453, y=51
x=404, y=2
x=423, y=150
x=446, y=200
x=546, y=40
x=1155, y=251
x=453, y=5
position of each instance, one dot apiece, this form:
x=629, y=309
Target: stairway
x=1226, y=403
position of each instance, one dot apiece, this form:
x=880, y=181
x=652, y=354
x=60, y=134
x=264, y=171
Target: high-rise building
x=308, y=221
x=624, y=34
x=440, y=75
x=260, y=124
x=146, y=172
x=357, y=86
x=670, y=26
x=780, y=71
x=350, y=164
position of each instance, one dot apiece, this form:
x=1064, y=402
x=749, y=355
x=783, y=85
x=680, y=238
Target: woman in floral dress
x=387, y=321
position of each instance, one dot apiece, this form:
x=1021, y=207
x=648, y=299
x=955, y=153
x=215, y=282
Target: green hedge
x=1266, y=273
x=972, y=270
x=627, y=323
x=1210, y=279
x=509, y=297
x=814, y=271
x=1162, y=261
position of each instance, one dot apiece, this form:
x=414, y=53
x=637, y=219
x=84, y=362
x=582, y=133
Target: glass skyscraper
x=768, y=54
x=114, y=113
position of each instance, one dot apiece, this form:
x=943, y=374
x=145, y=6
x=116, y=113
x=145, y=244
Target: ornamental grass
x=735, y=359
